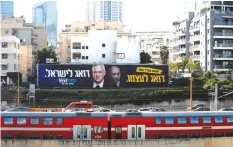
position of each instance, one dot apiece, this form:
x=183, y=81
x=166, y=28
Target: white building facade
x=9, y=57
x=103, y=46
x=104, y=10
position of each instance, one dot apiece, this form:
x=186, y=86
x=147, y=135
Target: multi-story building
x=151, y=42
x=104, y=10
x=81, y=29
x=9, y=57
x=7, y=8
x=104, y=46
x=45, y=14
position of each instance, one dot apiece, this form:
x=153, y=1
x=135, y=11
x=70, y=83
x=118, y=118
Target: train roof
x=115, y=114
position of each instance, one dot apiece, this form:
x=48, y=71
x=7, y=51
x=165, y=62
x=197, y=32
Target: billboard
x=101, y=76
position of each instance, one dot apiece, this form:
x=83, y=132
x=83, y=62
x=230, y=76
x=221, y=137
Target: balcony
x=196, y=57
x=223, y=35
x=196, y=48
x=195, y=28
x=180, y=42
x=195, y=38
x=223, y=25
x=225, y=14
x=34, y=36
x=223, y=57
x=220, y=68
x=181, y=33
x=182, y=50
x=223, y=46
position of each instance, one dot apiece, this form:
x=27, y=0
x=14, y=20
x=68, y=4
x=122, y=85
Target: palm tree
x=164, y=53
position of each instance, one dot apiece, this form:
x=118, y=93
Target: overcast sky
x=138, y=14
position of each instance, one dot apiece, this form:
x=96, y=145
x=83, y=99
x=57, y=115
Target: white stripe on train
x=113, y=129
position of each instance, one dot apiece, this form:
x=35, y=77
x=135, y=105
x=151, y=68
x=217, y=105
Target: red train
x=115, y=125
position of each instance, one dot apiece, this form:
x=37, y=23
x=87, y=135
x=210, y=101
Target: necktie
x=97, y=86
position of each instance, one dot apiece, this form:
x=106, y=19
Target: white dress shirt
x=100, y=84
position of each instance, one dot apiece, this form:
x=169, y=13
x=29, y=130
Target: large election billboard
x=101, y=76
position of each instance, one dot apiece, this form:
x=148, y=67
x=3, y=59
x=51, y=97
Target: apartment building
x=104, y=10
x=9, y=58
x=76, y=29
x=7, y=8
x=211, y=36
x=151, y=42
x=104, y=46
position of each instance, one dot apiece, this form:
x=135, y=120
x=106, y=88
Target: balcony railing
x=220, y=67
x=195, y=37
x=224, y=23
x=223, y=56
x=224, y=12
x=196, y=57
x=223, y=34
x=195, y=27
x=223, y=45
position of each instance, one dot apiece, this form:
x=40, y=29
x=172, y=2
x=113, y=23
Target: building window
x=208, y=63
x=15, y=67
x=21, y=121
x=208, y=20
x=69, y=47
x=181, y=120
x=103, y=44
x=4, y=56
x=34, y=121
x=86, y=47
x=59, y=121
x=208, y=31
x=77, y=45
x=8, y=121
x=86, y=57
x=208, y=52
x=103, y=55
x=206, y=120
x=169, y=120
x=120, y=55
x=6, y=31
x=4, y=66
x=48, y=121
x=76, y=55
x=93, y=25
x=4, y=44
x=208, y=41
x=83, y=47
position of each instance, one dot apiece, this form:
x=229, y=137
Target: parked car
x=96, y=108
x=145, y=110
x=196, y=106
x=18, y=109
x=106, y=110
x=156, y=109
x=202, y=109
x=131, y=110
x=78, y=110
x=226, y=109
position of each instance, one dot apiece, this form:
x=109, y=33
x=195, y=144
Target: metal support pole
x=216, y=97
x=191, y=84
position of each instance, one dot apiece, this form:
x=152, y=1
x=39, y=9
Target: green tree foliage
x=45, y=53
x=184, y=63
x=164, y=54
x=145, y=58
x=173, y=67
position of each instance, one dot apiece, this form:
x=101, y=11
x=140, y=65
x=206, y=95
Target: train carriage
x=115, y=125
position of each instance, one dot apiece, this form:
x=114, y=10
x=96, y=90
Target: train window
x=206, y=135
x=34, y=121
x=229, y=134
x=8, y=121
x=158, y=120
x=48, y=136
x=21, y=121
x=21, y=136
x=84, y=132
x=218, y=119
x=206, y=120
x=194, y=120
x=194, y=135
x=219, y=134
x=59, y=121
x=7, y=136
x=133, y=132
x=98, y=129
x=169, y=120
x=59, y=136
x=181, y=120
x=34, y=137
x=182, y=135
x=118, y=129
x=139, y=132
x=170, y=136
x=229, y=119
x=48, y=121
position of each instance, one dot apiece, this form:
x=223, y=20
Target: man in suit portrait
x=98, y=73
x=115, y=76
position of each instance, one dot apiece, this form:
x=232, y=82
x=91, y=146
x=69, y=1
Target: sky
x=138, y=14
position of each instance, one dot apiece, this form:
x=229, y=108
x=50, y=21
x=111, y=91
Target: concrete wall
x=210, y=142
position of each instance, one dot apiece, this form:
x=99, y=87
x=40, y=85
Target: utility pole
x=216, y=97
x=191, y=79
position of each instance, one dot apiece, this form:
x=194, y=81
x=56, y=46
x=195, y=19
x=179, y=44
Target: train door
x=82, y=132
x=118, y=132
x=136, y=132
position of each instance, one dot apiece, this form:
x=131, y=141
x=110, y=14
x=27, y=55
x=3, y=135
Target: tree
x=45, y=53
x=184, y=63
x=173, y=67
x=164, y=54
x=145, y=58
x=195, y=65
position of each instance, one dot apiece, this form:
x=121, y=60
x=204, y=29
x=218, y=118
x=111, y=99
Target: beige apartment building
x=81, y=29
